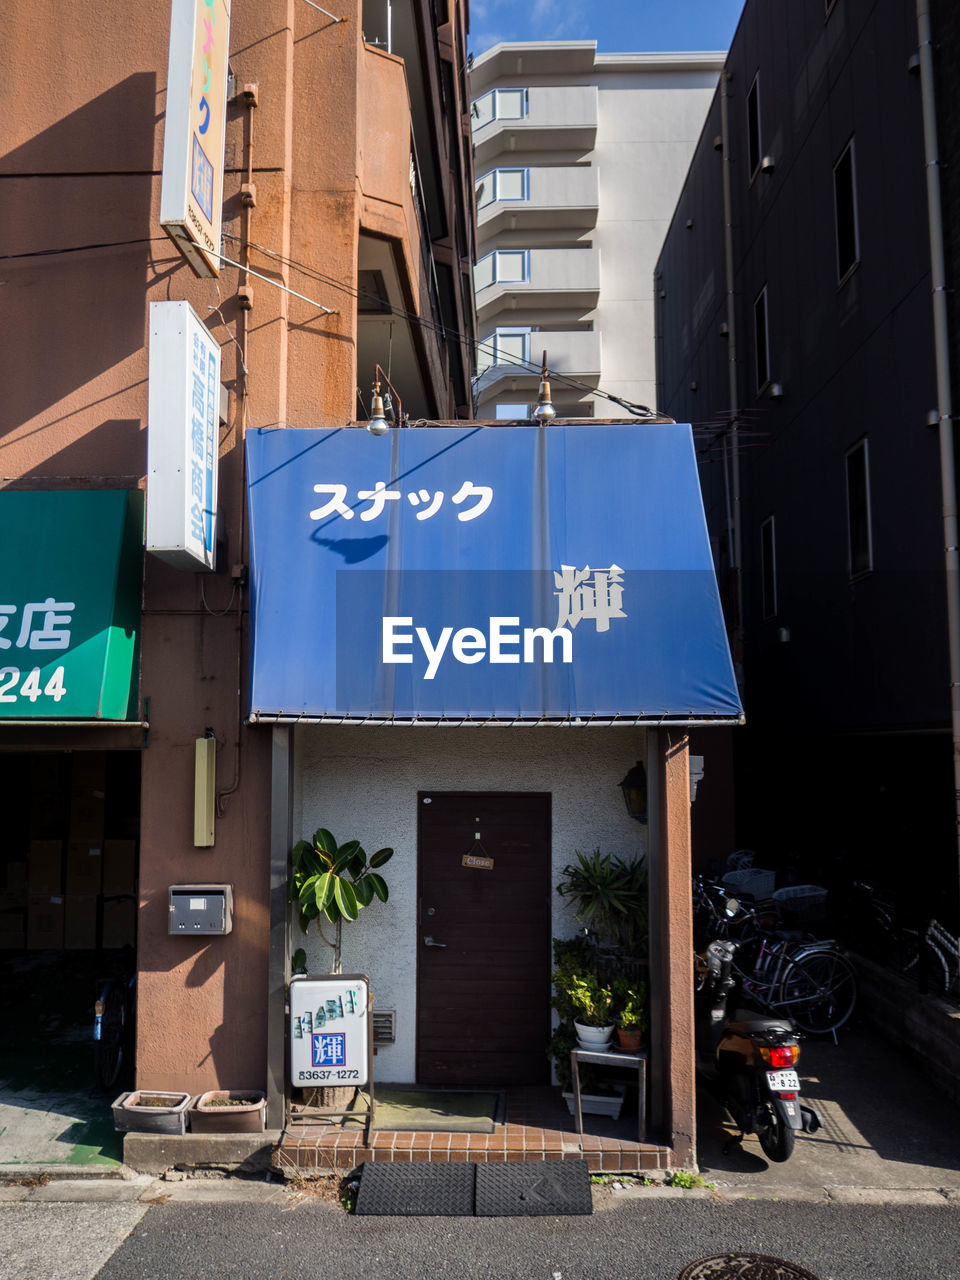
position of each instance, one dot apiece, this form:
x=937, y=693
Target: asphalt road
x=624, y=1240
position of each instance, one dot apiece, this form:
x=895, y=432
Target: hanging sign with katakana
x=484, y=573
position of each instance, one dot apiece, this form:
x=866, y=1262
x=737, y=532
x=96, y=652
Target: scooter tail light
x=777, y=1057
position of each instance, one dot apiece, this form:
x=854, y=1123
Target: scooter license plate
x=785, y=1081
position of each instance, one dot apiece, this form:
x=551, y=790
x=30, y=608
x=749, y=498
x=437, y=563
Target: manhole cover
x=744, y=1266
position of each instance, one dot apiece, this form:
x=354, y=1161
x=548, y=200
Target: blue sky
x=618, y=26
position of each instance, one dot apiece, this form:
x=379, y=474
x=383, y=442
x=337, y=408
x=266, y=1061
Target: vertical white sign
x=329, y=1031
x=191, y=195
x=183, y=437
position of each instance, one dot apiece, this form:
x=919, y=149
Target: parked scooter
x=753, y=1063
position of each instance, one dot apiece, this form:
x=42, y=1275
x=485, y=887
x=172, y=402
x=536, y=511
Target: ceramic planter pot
x=151, y=1111
x=596, y=1038
x=630, y=1038
x=229, y=1111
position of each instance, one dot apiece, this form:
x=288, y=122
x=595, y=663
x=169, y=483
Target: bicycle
x=808, y=979
x=113, y=1014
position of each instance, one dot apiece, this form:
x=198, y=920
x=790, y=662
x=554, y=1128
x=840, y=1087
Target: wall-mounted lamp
x=776, y=390
x=768, y=164
x=634, y=788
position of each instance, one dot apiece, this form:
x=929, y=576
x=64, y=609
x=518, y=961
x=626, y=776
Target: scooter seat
x=747, y=1022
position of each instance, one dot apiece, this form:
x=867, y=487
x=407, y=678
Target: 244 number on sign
x=31, y=687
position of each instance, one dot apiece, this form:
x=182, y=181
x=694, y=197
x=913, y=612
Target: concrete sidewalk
x=888, y=1135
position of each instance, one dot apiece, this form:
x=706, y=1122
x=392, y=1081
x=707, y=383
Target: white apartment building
x=580, y=158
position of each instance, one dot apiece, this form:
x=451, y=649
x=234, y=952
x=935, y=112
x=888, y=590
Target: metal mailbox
x=200, y=909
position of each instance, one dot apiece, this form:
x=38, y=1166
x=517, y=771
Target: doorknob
x=429, y=942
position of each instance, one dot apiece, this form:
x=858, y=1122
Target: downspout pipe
x=733, y=519
x=944, y=398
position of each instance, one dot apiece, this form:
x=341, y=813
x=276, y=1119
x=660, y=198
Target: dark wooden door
x=483, y=945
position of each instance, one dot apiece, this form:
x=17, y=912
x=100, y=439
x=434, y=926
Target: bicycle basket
x=751, y=880
x=804, y=902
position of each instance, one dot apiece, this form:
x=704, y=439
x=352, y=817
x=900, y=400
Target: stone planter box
x=151, y=1111
x=237, y=1111
x=598, y=1104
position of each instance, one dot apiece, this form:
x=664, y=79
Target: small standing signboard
x=331, y=1035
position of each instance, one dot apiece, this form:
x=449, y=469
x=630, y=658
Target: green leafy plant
x=608, y=895
x=630, y=1002
x=686, y=1180
x=334, y=882
x=592, y=1003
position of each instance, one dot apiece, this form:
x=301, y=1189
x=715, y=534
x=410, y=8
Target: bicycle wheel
x=818, y=991
x=108, y=1049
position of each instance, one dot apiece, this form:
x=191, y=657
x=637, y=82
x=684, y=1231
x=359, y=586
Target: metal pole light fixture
x=634, y=788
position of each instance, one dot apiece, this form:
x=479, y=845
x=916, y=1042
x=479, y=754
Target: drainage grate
x=416, y=1190
x=532, y=1189
x=743, y=1266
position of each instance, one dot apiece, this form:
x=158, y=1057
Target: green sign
x=70, y=604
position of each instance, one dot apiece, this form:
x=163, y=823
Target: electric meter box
x=200, y=909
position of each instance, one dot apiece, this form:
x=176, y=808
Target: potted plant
x=592, y=1011
x=631, y=999
x=609, y=897
x=229, y=1111
x=334, y=882
x=151, y=1111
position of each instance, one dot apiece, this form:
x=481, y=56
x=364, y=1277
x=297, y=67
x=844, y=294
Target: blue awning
x=484, y=574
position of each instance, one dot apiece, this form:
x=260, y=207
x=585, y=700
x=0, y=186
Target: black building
x=796, y=328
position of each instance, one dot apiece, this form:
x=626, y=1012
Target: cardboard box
x=80, y=921
x=17, y=877
x=119, y=922
x=84, y=866
x=48, y=798
x=88, y=789
x=13, y=931
x=44, y=870
x=45, y=922
x=119, y=866
x=12, y=900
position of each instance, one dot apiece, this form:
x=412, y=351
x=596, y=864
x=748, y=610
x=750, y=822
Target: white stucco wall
x=362, y=783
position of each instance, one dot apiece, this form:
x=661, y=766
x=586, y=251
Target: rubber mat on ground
x=533, y=1189
x=416, y=1190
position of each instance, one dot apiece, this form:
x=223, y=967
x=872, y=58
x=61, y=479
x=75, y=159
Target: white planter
x=593, y=1037
x=598, y=1104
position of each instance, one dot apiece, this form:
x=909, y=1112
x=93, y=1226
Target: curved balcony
x=513, y=198
x=542, y=118
x=501, y=358
x=537, y=278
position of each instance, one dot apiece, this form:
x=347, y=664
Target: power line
x=443, y=330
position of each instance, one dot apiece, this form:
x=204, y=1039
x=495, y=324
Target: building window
x=503, y=184
x=761, y=337
x=768, y=569
x=859, y=534
x=845, y=208
x=511, y=346
x=512, y=412
x=500, y=104
x=753, y=126
x=503, y=266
